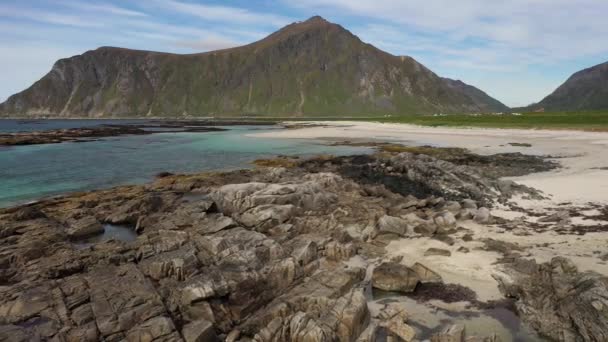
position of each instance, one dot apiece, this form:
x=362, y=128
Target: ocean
x=31, y=172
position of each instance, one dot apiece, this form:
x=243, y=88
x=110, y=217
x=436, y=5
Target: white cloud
x=557, y=29
x=46, y=17
x=104, y=8
x=226, y=14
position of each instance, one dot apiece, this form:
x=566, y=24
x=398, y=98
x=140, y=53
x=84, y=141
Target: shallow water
x=30, y=172
x=111, y=232
x=429, y=318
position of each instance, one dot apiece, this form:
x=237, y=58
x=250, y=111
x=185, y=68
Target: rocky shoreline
x=296, y=250
x=92, y=133
x=87, y=134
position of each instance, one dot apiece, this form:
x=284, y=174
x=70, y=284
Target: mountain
x=307, y=68
x=585, y=90
x=483, y=101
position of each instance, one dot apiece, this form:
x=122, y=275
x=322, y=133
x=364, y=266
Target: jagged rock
x=305, y=252
x=400, y=329
x=157, y=328
x=453, y=333
x=264, y=217
x=427, y=229
x=340, y=251
x=393, y=225
x=469, y=204
x=445, y=220
x=394, y=318
x=482, y=215
x=259, y=257
x=556, y=217
x=84, y=227
x=390, y=276
x=28, y=213
x=559, y=301
x=425, y=274
x=199, y=331
x=452, y=206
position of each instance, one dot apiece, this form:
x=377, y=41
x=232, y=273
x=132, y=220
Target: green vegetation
x=588, y=121
x=285, y=162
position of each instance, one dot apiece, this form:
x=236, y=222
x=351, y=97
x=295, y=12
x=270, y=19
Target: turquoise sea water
x=30, y=172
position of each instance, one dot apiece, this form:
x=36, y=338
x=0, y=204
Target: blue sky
x=517, y=51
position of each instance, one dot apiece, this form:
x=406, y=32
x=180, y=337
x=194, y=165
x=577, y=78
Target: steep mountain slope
x=307, y=68
x=585, y=90
x=483, y=101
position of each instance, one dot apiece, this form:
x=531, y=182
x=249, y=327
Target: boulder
x=469, y=204
x=340, y=251
x=559, y=216
x=393, y=225
x=425, y=274
x=426, y=229
x=482, y=215
x=199, y=331
x=390, y=276
x=445, y=220
x=453, y=333
x=84, y=227
x=264, y=217
x=559, y=301
x=452, y=206
x=400, y=329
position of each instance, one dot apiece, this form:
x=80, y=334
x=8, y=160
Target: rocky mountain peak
x=311, y=67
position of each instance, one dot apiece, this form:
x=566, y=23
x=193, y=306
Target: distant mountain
x=483, y=101
x=585, y=90
x=307, y=68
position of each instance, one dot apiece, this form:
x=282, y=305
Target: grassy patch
x=430, y=151
x=276, y=162
x=589, y=121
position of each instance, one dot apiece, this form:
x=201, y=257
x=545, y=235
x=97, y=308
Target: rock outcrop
x=559, y=301
x=256, y=255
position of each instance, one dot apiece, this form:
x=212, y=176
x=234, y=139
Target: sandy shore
x=583, y=179
x=582, y=154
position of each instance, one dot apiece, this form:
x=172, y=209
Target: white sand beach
x=581, y=154
x=582, y=179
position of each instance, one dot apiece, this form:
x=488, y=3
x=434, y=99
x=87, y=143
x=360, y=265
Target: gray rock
x=199, y=331
x=393, y=225
x=452, y=206
x=425, y=274
x=426, y=228
x=437, y=251
x=453, y=333
x=469, y=204
x=559, y=301
x=84, y=227
x=445, y=220
x=556, y=217
x=482, y=215
x=391, y=276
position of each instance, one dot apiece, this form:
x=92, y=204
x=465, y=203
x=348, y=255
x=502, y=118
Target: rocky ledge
x=92, y=133
x=268, y=254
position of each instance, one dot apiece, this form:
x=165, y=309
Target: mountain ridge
x=585, y=90
x=313, y=67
